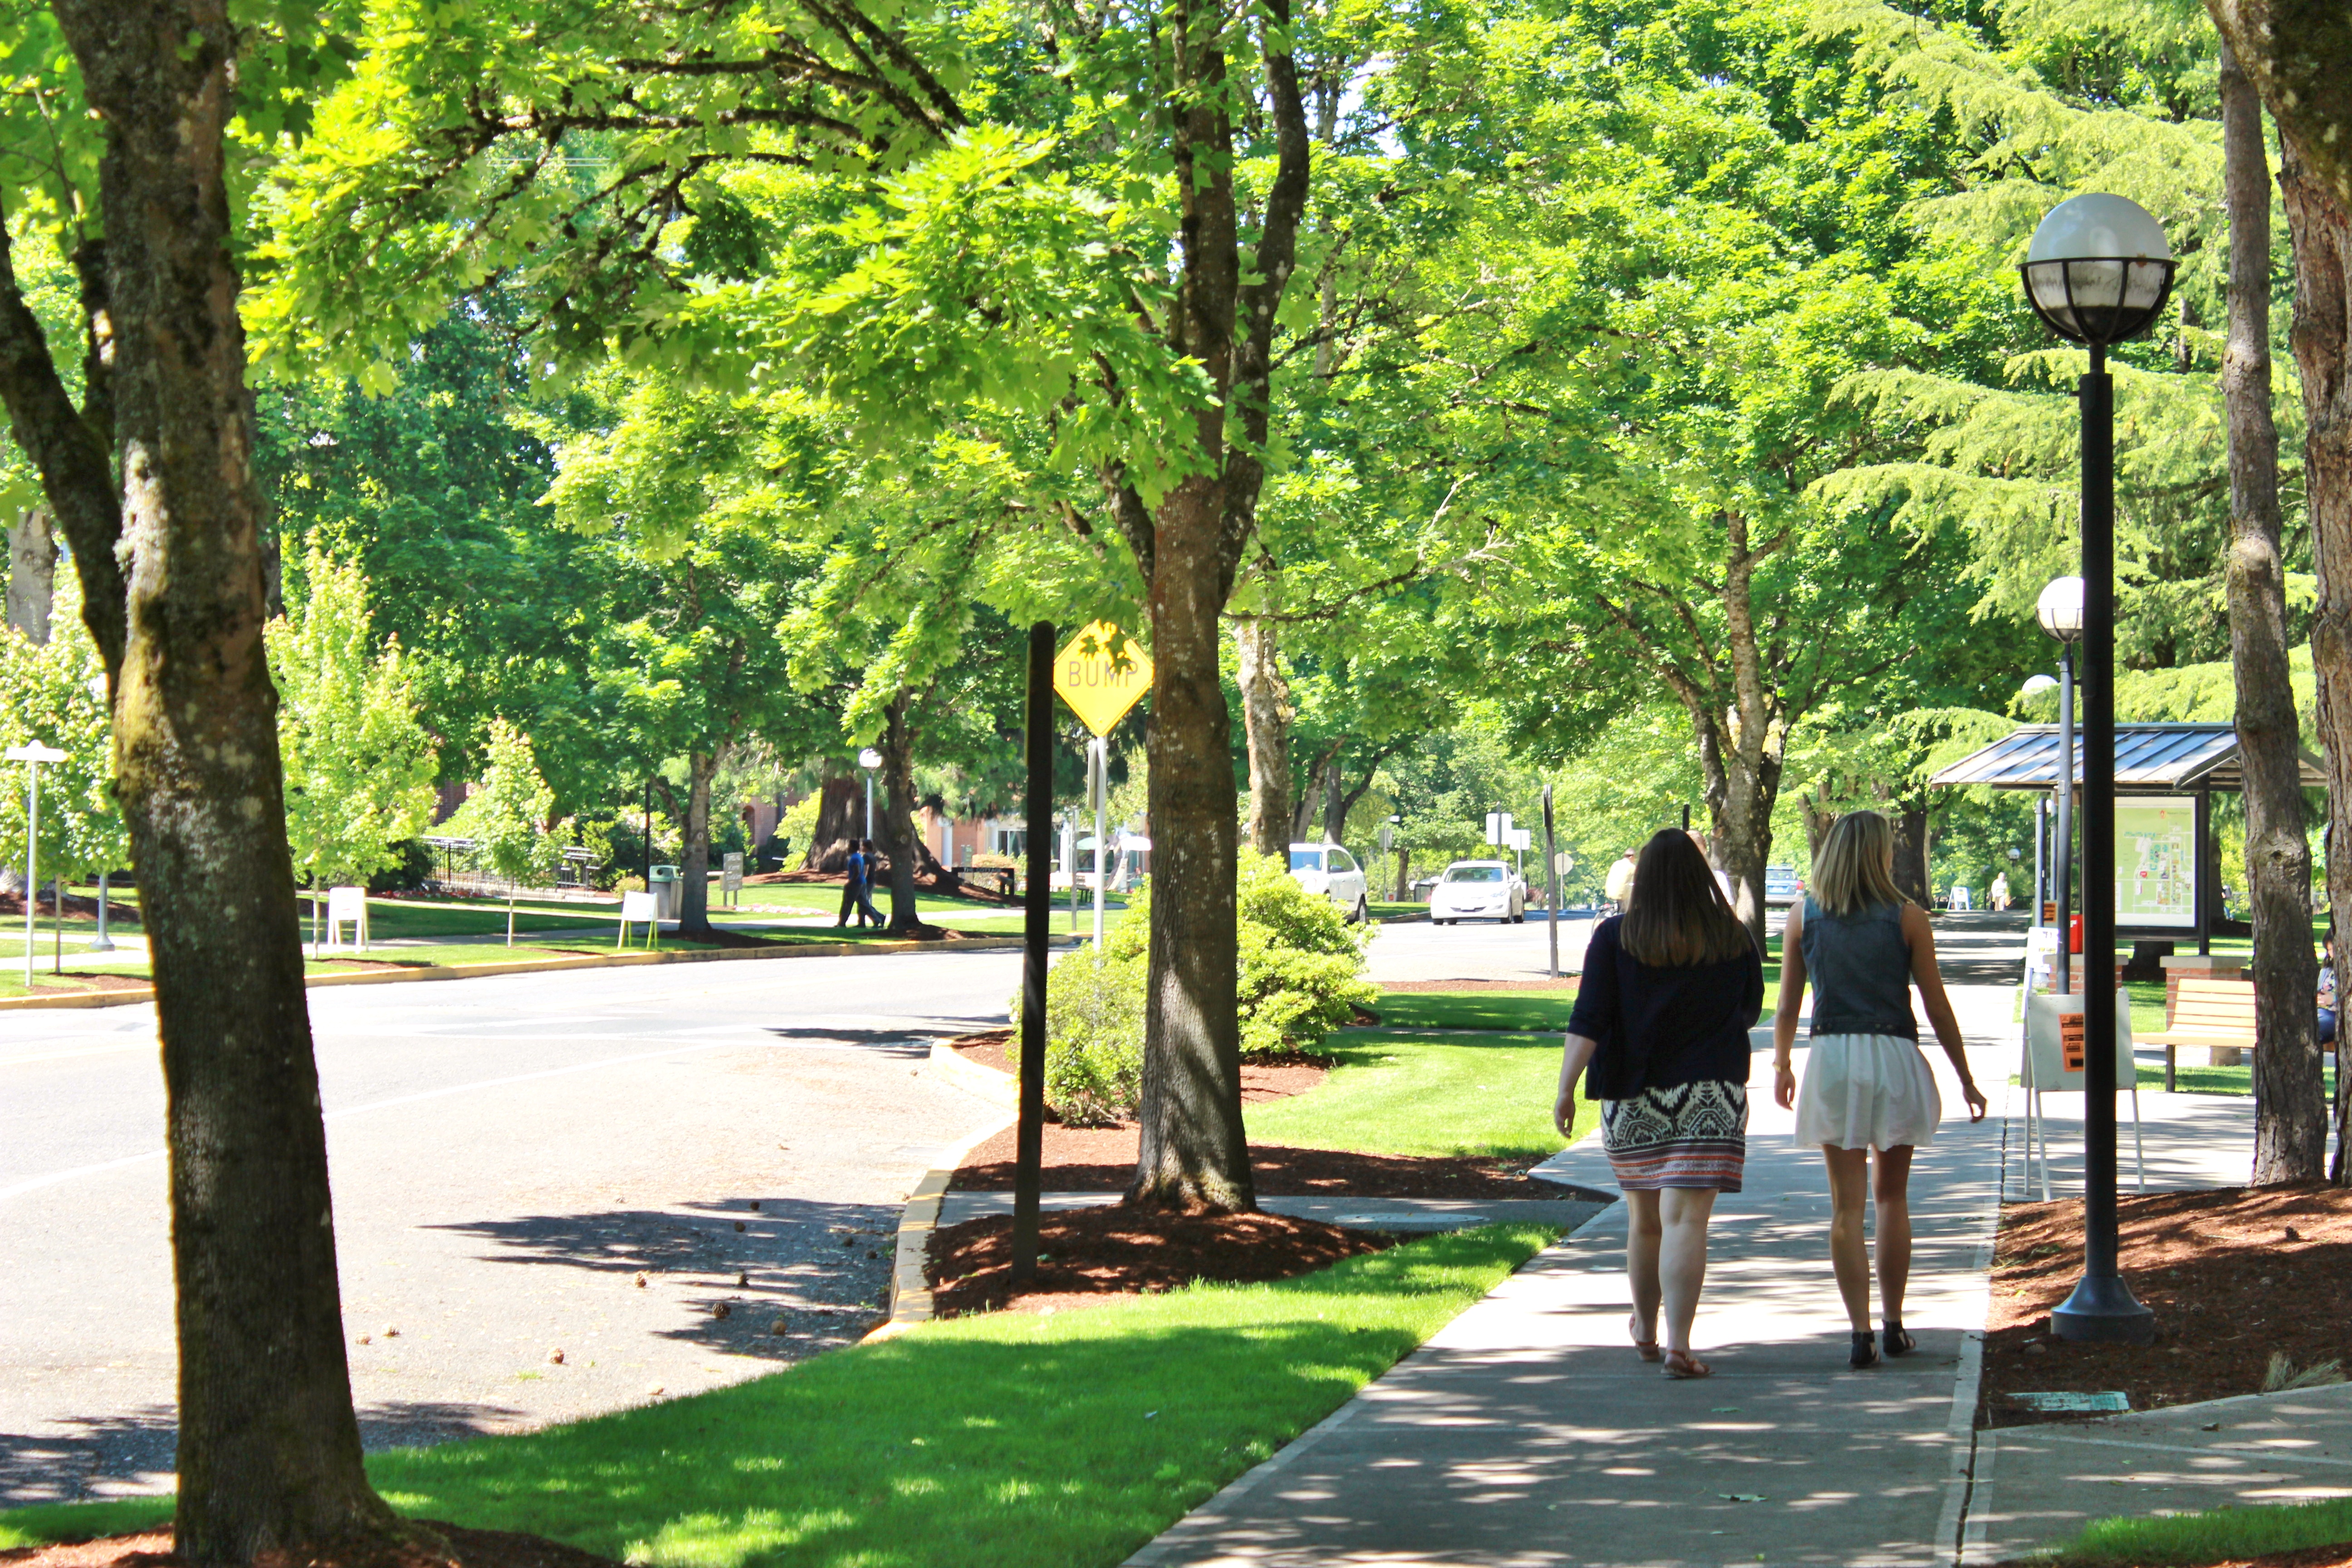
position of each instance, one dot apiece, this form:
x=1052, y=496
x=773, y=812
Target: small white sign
x=730, y=873
x=34, y=753
x=346, y=906
x=636, y=907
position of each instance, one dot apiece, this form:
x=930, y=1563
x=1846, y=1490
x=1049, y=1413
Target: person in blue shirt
x=853, y=888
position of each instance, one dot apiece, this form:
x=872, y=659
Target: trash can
x=662, y=882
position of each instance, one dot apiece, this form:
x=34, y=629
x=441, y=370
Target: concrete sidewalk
x=1528, y=1433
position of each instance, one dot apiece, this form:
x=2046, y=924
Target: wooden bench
x=2214, y=1014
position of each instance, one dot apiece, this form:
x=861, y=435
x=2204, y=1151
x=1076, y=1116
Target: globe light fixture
x=2036, y=685
x=2097, y=271
x=2060, y=611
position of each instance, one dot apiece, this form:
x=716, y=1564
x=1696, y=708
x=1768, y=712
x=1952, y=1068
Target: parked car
x=1781, y=886
x=1329, y=870
x=1479, y=890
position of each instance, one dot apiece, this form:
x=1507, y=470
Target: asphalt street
x=510, y=1157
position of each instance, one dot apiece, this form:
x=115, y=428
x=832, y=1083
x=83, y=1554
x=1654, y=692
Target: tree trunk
x=1335, y=800
x=1742, y=838
x=1405, y=873
x=894, y=825
x=269, y=1450
x=32, y=574
x=840, y=817
x=2321, y=228
x=694, y=854
x=1193, y=1154
x=2290, y=1093
x=1266, y=715
x=1910, y=819
x=1308, y=807
x=2299, y=54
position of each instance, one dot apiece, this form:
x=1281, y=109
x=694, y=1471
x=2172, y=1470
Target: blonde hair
x=1856, y=868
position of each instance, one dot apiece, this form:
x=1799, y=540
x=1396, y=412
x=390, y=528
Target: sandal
x=1682, y=1364
x=1897, y=1340
x=1864, y=1353
x=1646, y=1349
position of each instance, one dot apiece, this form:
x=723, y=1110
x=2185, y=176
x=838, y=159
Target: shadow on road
x=813, y=1273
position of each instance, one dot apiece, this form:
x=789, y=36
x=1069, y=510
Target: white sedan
x=1330, y=871
x=1477, y=890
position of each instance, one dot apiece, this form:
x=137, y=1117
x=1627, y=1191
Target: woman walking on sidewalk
x=1862, y=946
x=1671, y=988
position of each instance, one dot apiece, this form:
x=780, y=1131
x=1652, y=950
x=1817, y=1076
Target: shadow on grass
x=984, y=1442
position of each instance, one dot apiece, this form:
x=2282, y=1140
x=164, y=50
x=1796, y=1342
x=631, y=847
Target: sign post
x=32, y=755
x=1029, y=1134
x=1551, y=899
x=1101, y=674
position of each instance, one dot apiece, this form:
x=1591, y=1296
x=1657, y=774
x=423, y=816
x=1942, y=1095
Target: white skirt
x=1867, y=1091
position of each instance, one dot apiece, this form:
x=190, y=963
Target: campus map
x=2156, y=863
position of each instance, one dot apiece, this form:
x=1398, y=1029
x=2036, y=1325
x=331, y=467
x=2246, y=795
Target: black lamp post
x=2097, y=271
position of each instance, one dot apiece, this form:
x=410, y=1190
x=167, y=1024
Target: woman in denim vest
x=1862, y=946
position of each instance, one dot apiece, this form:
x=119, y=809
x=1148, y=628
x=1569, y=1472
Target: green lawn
x=987, y=1442
x=2186, y=1539
x=1393, y=1092
x=1506, y=1010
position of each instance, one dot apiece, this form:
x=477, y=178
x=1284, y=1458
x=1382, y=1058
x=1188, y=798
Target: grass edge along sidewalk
x=2191, y=1540
x=129, y=996
x=954, y=1441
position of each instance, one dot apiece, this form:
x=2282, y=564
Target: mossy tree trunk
x=170, y=562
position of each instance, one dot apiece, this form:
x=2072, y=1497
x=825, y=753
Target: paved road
x=509, y=1155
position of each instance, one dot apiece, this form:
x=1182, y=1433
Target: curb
x=910, y=1287
x=131, y=994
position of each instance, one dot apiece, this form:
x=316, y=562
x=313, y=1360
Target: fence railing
x=457, y=871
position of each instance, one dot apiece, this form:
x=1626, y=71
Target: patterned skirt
x=1691, y=1135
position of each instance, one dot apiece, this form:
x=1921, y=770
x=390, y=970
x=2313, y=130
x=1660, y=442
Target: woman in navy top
x=1670, y=990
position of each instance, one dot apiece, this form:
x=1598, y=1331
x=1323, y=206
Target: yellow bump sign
x=1099, y=686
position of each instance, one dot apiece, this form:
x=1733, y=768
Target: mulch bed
x=118, y=913
x=46, y=980
x=466, y=1549
x=2233, y=1274
x=1088, y=1256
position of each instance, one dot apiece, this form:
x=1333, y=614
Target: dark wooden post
x=1030, y=1140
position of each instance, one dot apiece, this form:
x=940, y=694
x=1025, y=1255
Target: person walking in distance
x=1862, y=946
x=1619, y=884
x=852, y=887
x=866, y=911
x=1671, y=988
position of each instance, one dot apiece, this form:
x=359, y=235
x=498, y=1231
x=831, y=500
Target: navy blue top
x=1859, y=969
x=1659, y=1028
x=855, y=866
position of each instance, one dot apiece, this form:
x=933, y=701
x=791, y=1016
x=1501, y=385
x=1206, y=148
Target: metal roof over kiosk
x=2154, y=764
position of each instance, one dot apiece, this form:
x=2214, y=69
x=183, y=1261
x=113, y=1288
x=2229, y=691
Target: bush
x=1301, y=967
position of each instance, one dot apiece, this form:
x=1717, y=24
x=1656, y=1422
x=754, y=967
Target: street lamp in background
x=2060, y=611
x=2036, y=685
x=103, y=945
x=869, y=759
x=32, y=755
x=2097, y=271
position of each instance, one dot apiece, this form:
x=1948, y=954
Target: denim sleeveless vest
x=1859, y=969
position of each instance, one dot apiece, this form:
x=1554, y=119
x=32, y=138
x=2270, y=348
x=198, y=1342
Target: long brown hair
x=1675, y=916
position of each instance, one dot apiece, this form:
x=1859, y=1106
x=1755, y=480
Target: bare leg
x=1848, y=1253
x=1642, y=1230
x=1682, y=1259
x=1891, y=1193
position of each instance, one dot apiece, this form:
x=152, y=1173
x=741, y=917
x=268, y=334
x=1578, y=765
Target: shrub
x=1301, y=968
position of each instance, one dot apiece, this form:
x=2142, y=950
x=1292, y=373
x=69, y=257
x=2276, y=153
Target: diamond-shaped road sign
x=1098, y=685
